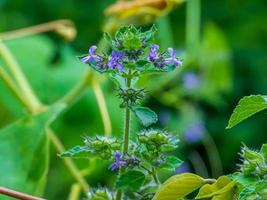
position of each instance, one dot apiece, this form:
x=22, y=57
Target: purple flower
x=191, y=81
x=153, y=54
x=172, y=59
x=115, y=60
x=118, y=162
x=91, y=55
x=194, y=132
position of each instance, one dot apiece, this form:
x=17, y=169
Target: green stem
x=76, y=91
x=155, y=176
x=19, y=77
x=14, y=89
x=126, y=134
x=23, y=98
x=67, y=161
x=193, y=13
x=102, y=107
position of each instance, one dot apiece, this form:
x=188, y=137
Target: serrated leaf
x=77, y=151
x=24, y=152
x=171, y=163
x=247, y=107
x=257, y=190
x=222, y=189
x=179, y=186
x=145, y=115
x=132, y=180
x=242, y=179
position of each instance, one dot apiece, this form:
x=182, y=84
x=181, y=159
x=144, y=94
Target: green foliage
x=26, y=141
x=257, y=190
x=171, y=163
x=97, y=146
x=145, y=115
x=253, y=162
x=100, y=194
x=179, y=186
x=76, y=151
x=132, y=180
x=263, y=151
x=247, y=107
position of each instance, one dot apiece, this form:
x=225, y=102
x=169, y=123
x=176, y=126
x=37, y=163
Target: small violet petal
x=153, y=54
x=91, y=55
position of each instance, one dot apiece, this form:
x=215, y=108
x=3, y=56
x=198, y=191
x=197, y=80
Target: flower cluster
x=253, y=162
x=127, y=161
x=100, y=194
x=161, y=60
x=130, y=96
x=102, y=147
x=129, y=51
x=154, y=143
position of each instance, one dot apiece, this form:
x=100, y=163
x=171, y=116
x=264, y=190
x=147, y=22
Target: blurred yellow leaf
x=222, y=189
x=179, y=186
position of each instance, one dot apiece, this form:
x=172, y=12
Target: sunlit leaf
x=247, y=107
x=145, y=115
x=179, y=186
x=24, y=152
x=132, y=179
x=222, y=189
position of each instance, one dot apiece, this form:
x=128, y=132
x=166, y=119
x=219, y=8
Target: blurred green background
x=224, y=60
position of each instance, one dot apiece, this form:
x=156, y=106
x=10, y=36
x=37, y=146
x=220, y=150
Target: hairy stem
x=18, y=195
x=126, y=136
x=67, y=161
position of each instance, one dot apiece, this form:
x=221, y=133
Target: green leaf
x=24, y=152
x=118, y=80
x=171, y=163
x=132, y=180
x=247, y=107
x=242, y=179
x=263, y=151
x=257, y=190
x=179, y=186
x=77, y=151
x=145, y=115
x=222, y=189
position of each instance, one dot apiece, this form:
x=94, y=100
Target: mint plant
x=248, y=183
x=136, y=160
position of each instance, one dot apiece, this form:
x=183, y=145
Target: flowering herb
x=133, y=53
x=118, y=162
